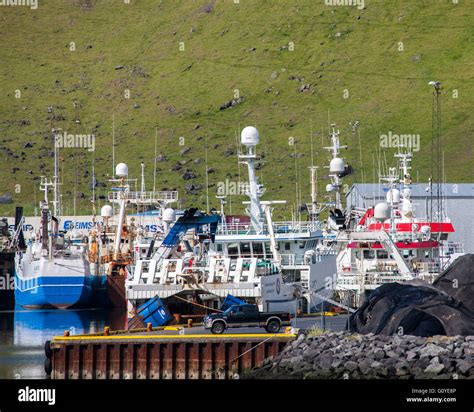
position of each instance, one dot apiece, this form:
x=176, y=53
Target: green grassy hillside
x=369, y=65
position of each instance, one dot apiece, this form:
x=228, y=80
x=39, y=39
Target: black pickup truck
x=246, y=316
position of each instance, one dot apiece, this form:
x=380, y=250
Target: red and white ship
x=388, y=243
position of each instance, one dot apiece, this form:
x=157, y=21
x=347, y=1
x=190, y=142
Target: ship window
x=287, y=246
x=245, y=249
x=233, y=249
x=257, y=249
x=302, y=244
x=407, y=253
x=382, y=254
x=369, y=254
x=219, y=247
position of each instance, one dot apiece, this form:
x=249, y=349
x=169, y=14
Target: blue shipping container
x=231, y=300
x=154, y=312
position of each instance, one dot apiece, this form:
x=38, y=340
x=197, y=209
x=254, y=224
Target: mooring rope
x=242, y=354
x=197, y=304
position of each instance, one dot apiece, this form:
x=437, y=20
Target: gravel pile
x=344, y=355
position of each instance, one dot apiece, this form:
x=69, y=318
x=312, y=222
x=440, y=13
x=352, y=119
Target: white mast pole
x=154, y=163
x=113, y=145
x=143, y=178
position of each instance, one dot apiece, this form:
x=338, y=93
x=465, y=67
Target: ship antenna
x=142, y=187
x=207, y=175
x=113, y=145
x=55, y=173
x=154, y=163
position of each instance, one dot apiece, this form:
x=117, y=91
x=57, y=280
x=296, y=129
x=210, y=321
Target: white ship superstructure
x=259, y=261
x=390, y=244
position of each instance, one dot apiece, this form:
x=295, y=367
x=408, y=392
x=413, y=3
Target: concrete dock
x=159, y=355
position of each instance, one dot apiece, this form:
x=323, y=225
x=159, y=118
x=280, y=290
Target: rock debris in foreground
x=344, y=355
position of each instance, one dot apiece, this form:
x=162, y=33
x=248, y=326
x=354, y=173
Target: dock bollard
x=190, y=323
x=66, y=333
x=149, y=327
x=106, y=331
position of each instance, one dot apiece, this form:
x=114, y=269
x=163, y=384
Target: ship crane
x=185, y=223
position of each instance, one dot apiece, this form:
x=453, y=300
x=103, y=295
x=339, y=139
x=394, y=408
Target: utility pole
x=436, y=178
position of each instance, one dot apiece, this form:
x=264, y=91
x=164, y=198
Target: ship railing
x=428, y=267
x=453, y=247
x=68, y=254
x=369, y=279
x=168, y=196
x=278, y=228
x=120, y=258
x=349, y=269
x=291, y=259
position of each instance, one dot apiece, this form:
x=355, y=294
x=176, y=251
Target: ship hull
x=61, y=283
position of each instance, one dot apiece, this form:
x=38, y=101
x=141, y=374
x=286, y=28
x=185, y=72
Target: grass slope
x=228, y=47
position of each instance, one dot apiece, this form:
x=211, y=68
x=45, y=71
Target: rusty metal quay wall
x=159, y=357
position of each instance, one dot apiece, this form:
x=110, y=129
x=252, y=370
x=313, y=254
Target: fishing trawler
x=259, y=261
x=388, y=243
x=53, y=271
x=115, y=242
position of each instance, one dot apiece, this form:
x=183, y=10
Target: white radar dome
x=407, y=208
x=336, y=165
x=329, y=187
x=393, y=196
x=249, y=136
x=106, y=211
x=169, y=215
x=121, y=170
x=382, y=211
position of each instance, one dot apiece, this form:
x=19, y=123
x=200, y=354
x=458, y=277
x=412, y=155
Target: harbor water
x=24, y=332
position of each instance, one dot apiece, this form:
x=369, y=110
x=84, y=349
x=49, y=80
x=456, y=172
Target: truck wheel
x=218, y=328
x=273, y=326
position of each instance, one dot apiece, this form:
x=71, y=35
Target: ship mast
x=55, y=183
x=314, y=212
x=44, y=206
x=336, y=167
x=143, y=178
x=392, y=179
x=56, y=206
x=250, y=138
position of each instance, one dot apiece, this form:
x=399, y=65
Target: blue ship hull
x=53, y=291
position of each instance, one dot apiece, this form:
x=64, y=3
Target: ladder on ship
x=385, y=240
